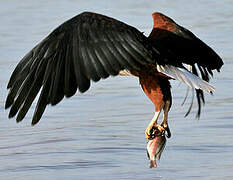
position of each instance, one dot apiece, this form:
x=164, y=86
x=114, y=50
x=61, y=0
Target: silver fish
x=155, y=148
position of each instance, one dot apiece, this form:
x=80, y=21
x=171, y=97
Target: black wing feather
x=19, y=68
x=87, y=47
x=42, y=102
x=70, y=86
x=80, y=72
x=58, y=85
x=187, y=48
x=34, y=89
x=91, y=71
x=116, y=54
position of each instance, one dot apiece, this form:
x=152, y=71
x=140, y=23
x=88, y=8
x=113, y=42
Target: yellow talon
x=150, y=128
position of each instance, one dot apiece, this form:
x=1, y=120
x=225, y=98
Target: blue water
x=100, y=134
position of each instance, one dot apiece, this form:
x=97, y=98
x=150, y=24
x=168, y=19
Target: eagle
x=90, y=47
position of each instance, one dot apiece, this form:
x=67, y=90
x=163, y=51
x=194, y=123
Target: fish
x=155, y=147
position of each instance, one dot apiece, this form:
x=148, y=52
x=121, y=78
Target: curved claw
x=154, y=131
x=168, y=134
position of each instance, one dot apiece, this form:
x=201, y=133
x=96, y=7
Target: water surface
x=100, y=135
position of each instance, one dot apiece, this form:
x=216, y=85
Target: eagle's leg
x=164, y=123
x=157, y=88
x=154, y=124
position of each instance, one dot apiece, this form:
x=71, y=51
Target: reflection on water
x=100, y=134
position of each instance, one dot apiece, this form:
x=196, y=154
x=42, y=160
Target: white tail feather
x=186, y=77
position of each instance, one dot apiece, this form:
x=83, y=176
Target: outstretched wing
x=87, y=47
x=187, y=48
